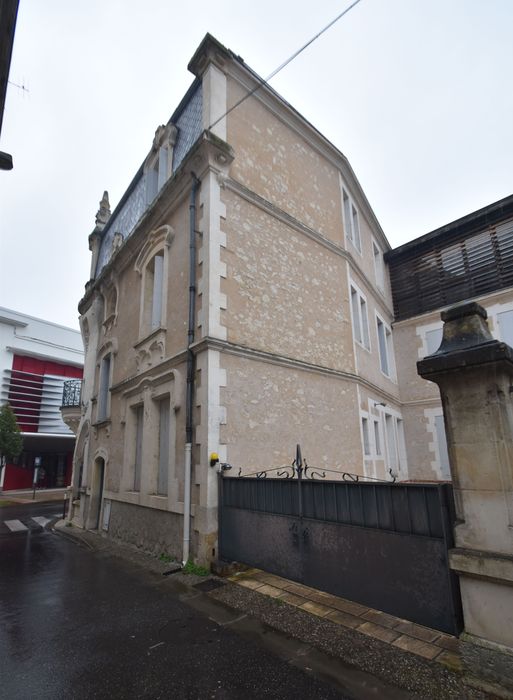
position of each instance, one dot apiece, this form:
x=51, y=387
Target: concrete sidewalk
x=41, y=495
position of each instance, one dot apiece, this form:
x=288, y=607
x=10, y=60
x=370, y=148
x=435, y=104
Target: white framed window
x=505, y=324
x=351, y=221
x=379, y=265
x=360, y=317
x=365, y=436
x=104, y=387
x=395, y=445
x=433, y=340
x=377, y=438
x=152, y=264
x=373, y=443
x=157, y=174
x=153, y=292
x=386, y=350
x=158, y=164
x=430, y=338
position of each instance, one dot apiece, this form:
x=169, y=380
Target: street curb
x=60, y=527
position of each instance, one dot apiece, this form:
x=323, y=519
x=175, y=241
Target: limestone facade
x=288, y=261
x=293, y=321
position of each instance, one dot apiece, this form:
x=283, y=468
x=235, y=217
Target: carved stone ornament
x=150, y=355
x=117, y=242
x=164, y=235
x=103, y=213
x=222, y=179
x=164, y=136
x=159, y=137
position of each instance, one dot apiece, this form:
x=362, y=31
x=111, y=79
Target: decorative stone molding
x=165, y=137
x=156, y=239
x=151, y=352
x=111, y=345
x=153, y=384
x=102, y=217
x=117, y=242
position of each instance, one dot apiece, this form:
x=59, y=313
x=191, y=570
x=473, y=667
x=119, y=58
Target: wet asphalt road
x=77, y=624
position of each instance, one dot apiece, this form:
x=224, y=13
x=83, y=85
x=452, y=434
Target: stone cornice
x=434, y=401
x=225, y=346
x=170, y=363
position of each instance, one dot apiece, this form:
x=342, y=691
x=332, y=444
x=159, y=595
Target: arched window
x=158, y=164
x=105, y=367
x=152, y=264
x=153, y=291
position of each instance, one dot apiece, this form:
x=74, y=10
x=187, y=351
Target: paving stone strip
x=408, y=636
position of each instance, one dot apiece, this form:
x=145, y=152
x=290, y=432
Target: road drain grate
x=209, y=585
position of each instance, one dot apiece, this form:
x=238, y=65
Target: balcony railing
x=72, y=393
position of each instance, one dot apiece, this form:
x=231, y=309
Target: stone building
x=468, y=259
x=238, y=304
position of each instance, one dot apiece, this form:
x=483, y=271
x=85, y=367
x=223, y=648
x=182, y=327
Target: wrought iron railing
x=72, y=393
x=299, y=469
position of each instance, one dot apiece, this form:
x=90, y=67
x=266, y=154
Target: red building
x=36, y=358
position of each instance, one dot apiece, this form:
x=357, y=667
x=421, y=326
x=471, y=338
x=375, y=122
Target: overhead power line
x=264, y=81
x=20, y=87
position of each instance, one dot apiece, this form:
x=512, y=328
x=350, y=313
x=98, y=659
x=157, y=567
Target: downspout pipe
x=190, y=372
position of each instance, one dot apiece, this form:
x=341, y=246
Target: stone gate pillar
x=475, y=375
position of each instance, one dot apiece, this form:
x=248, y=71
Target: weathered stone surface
x=153, y=531
x=494, y=662
x=475, y=376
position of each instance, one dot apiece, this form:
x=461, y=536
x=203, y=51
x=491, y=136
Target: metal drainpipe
x=190, y=371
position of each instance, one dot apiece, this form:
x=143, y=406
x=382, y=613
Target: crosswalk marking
x=34, y=523
x=15, y=525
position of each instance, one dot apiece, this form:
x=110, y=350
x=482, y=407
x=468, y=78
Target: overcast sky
x=416, y=93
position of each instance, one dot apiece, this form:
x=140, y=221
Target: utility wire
x=21, y=87
x=264, y=81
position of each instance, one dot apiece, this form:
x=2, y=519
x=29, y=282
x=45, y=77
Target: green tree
x=11, y=441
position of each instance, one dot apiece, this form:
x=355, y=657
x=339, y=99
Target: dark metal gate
x=380, y=544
